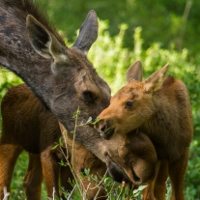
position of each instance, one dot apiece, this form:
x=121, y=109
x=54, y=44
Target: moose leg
x=33, y=178
x=148, y=193
x=83, y=159
x=8, y=156
x=177, y=171
x=160, y=183
x=66, y=178
x=157, y=188
x=50, y=171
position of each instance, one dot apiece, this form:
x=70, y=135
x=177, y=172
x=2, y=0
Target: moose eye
x=128, y=104
x=89, y=97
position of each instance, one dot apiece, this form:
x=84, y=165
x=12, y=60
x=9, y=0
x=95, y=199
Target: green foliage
x=16, y=187
x=174, y=22
x=7, y=79
x=163, y=28
x=113, y=189
x=120, y=191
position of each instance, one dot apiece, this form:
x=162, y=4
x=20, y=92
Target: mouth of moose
x=105, y=129
x=107, y=133
x=122, y=175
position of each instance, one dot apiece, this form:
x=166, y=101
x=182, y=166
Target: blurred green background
x=155, y=31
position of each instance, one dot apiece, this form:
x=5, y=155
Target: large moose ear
x=135, y=72
x=88, y=32
x=155, y=81
x=42, y=41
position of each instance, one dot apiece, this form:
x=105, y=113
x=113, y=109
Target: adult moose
x=158, y=106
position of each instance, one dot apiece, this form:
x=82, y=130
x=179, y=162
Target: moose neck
x=17, y=55
x=159, y=122
x=170, y=117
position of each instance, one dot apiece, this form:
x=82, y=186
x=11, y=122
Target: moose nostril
x=103, y=127
x=136, y=178
x=100, y=126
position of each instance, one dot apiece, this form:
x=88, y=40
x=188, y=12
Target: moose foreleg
x=160, y=183
x=176, y=172
x=50, y=171
x=156, y=189
x=8, y=156
x=33, y=178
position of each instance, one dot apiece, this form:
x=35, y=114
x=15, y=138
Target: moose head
x=133, y=104
x=78, y=93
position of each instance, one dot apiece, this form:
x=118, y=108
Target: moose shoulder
x=158, y=106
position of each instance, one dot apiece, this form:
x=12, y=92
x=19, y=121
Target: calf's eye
x=128, y=104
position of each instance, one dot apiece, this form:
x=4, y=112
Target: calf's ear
x=43, y=41
x=155, y=81
x=135, y=72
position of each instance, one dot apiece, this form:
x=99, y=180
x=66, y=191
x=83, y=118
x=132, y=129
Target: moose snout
x=104, y=127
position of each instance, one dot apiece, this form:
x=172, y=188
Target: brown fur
x=135, y=154
x=28, y=125
x=160, y=108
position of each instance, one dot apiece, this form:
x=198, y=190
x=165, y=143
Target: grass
x=18, y=176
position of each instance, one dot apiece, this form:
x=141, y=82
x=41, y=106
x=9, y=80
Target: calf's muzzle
x=105, y=128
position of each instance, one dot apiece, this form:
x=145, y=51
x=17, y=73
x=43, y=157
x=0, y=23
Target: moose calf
x=158, y=106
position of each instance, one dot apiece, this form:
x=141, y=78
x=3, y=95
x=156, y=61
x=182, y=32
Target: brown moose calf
x=158, y=106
